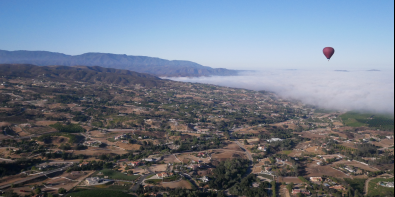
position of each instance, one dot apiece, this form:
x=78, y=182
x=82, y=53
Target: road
x=33, y=177
x=249, y=156
x=191, y=180
x=137, y=185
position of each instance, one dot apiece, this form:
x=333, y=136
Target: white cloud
x=355, y=90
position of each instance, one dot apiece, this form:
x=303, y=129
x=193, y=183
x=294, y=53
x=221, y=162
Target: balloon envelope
x=328, y=52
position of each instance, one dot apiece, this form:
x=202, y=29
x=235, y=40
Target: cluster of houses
x=92, y=143
x=121, y=137
x=130, y=163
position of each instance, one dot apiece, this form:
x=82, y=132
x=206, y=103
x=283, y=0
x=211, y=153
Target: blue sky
x=284, y=34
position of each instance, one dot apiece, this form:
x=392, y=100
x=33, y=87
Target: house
x=261, y=148
x=194, y=167
x=315, y=179
x=296, y=191
x=162, y=175
x=274, y=140
x=120, y=137
x=92, y=143
x=204, y=179
x=349, y=169
x=255, y=184
x=135, y=163
x=338, y=187
x=267, y=169
x=93, y=181
x=201, y=154
x=83, y=164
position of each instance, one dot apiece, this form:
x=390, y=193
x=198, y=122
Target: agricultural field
x=354, y=119
x=118, y=176
x=98, y=193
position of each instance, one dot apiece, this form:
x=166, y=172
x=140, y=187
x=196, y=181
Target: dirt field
x=170, y=159
x=354, y=163
x=45, y=123
x=314, y=170
x=253, y=140
x=99, y=151
x=233, y=146
x=153, y=168
x=295, y=153
x=289, y=179
x=223, y=154
x=385, y=143
x=186, y=157
x=128, y=146
x=315, y=150
x=179, y=184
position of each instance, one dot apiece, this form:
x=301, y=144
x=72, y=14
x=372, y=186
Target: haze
x=365, y=91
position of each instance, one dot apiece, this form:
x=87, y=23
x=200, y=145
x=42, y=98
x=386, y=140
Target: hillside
x=93, y=74
x=143, y=64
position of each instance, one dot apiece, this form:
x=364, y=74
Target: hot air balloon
x=328, y=52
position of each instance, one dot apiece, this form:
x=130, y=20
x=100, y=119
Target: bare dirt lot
x=289, y=179
x=153, y=168
x=188, y=157
x=354, y=163
x=93, y=151
x=223, y=154
x=314, y=170
x=179, y=184
x=170, y=159
x=385, y=143
x=315, y=150
x=127, y=146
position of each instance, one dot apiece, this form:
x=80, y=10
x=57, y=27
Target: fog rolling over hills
x=143, y=64
x=354, y=90
x=93, y=74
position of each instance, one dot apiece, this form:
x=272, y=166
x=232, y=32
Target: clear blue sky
x=239, y=34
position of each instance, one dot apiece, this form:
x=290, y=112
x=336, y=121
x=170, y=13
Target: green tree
x=290, y=187
x=62, y=190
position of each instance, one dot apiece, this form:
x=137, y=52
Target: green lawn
x=378, y=190
x=286, y=152
x=98, y=193
x=358, y=184
x=117, y=175
x=153, y=181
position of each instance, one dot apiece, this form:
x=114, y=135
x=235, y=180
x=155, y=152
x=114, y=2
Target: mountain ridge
x=90, y=74
x=144, y=64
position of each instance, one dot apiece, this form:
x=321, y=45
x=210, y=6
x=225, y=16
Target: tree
x=37, y=190
x=245, y=142
x=62, y=190
x=290, y=187
x=274, y=194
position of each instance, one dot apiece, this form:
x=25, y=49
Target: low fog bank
x=366, y=91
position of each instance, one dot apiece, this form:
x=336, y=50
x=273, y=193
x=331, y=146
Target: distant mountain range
x=71, y=74
x=150, y=65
